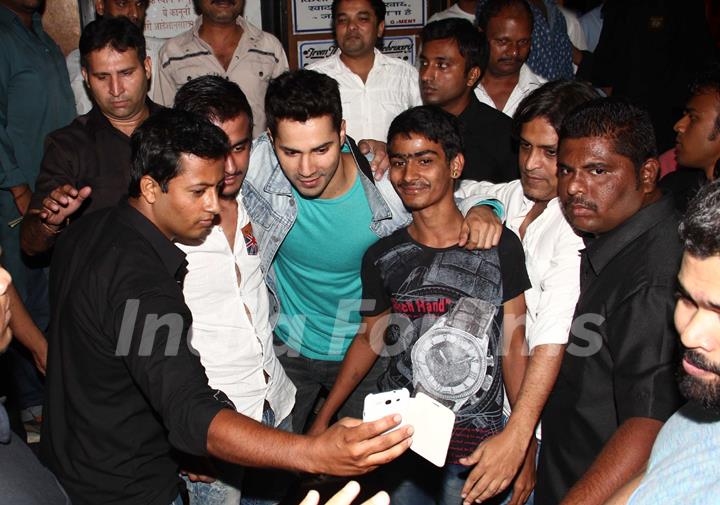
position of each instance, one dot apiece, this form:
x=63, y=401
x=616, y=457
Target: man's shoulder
x=326, y=65
x=261, y=37
x=481, y=114
x=77, y=134
x=387, y=243
x=175, y=45
x=396, y=64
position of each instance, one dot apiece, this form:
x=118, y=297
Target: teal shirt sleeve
x=10, y=173
x=495, y=205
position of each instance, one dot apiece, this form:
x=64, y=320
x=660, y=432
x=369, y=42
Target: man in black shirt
x=616, y=384
x=452, y=61
x=124, y=389
x=86, y=165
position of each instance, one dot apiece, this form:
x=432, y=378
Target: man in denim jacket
x=316, y=209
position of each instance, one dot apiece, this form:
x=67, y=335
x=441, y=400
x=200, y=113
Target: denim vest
x=271, y=205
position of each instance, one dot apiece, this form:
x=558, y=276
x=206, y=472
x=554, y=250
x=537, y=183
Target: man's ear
x=342, y=133
x=149, y=189
x=147, y=64
x=649, y=174
x=84, y=73
x=381, y=28
x=456, y=165
x=474, y=75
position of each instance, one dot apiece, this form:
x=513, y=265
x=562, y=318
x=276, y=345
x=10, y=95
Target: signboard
x=309, y=51
x=315, y=16
x=167, y=18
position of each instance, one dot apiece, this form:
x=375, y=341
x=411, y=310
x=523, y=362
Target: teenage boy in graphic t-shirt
x=437, y=310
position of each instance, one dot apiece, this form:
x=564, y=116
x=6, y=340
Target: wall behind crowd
x=165, y=18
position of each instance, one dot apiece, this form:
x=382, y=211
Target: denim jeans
x=310, y=375
x=229, y=489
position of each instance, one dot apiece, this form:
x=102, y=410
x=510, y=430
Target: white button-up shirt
x=228, y=299
x=552, y=259
x=527, y=81
x=392, y=86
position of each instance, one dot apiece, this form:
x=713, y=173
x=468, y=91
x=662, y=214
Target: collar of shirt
x=9, y=16
x=250, y=36
x=473, y=109
x=380, y=61
x=172, y=257
x=99, y=121
x=601, y=250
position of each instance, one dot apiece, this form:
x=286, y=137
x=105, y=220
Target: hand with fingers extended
x=379, y=163
x=351, y=447
x=346, y=496
x=496, y=462
x=481, y=230
x=61, y=203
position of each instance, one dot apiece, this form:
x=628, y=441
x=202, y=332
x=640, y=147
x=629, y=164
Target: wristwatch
x=450, y=360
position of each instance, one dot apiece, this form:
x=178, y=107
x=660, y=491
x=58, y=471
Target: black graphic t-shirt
x=461, y=369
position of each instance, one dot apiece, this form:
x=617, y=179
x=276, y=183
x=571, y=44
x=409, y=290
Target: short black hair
x=159, y=142
x=707, y=81
x=119, y=33
x=377, y=5
x=431, y=122
x=552, y=101
x=700, y=228
x=626, y=125
x=300, y=95
x=471, y=43
x=213, y=97
x=493, y=8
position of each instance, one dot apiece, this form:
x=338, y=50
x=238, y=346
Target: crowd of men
x=216, y=259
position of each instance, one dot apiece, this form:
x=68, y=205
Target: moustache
x=698, y=360
x=412, y=185
x=582, y=202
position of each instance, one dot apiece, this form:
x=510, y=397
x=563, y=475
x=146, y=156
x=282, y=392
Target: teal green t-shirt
x=317, y=270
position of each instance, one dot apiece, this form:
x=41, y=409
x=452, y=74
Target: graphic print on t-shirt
x=424, y=284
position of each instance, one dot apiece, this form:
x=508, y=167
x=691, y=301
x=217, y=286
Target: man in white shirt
x=508, y=79
x=374, y=88
x=533, y=212
x=464, y=9
x=134, y=10
x=225, y=289
x=222, y=43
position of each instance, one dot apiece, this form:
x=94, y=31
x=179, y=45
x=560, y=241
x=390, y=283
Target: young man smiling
x=418, y=282
x=316, y=210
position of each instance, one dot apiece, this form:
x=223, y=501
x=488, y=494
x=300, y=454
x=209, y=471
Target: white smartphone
x=379, y=405
x=433, y=424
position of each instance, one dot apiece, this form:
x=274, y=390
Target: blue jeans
x=310, y=375
x=227, y=489
x=412, y=480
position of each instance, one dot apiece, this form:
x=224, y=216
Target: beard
x=706, y=392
